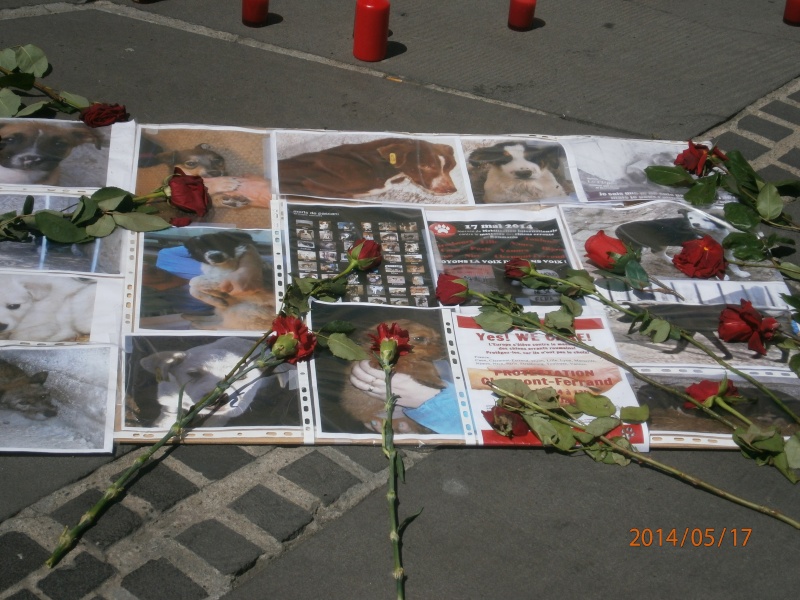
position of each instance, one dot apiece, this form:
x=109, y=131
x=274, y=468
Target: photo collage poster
x=173, y=311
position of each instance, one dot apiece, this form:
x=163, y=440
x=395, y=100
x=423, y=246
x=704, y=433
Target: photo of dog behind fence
x=513, y=171
x=232, y=162
x=351, y=395
x=207, y=279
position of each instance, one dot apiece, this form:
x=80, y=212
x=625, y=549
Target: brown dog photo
x=231, y=162
x=370, y=167
x=351, y=396
x=53, y=153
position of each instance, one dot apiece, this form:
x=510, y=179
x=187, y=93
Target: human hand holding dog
x=370, y=380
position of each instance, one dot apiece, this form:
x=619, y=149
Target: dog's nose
x=523, y=174
x=3, y=326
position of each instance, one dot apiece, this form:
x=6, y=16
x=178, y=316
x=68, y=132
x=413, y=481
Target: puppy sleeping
x=31, y=152
x=234, y=281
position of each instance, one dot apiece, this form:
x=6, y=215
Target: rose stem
x=643, y=460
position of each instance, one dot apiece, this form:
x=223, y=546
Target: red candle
x=371, y=30
x=791, y=14
x=520, y=14
x=254, y=12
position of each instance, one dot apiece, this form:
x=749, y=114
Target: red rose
x=188, y=193
x=605, y=251
x=518, y=268
x=505, y=422
x=701, y=258
x=291, y=340
x=740, y=324
x=390, y=343
x=452, y=290
x=100, y=115
x=694, y=158
x=366, y=254
x=708, y=389
x=180, y=221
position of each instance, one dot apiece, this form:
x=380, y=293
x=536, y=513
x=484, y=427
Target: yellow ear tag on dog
x=392, y=158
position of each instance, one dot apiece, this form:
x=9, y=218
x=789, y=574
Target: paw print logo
x=442, y=229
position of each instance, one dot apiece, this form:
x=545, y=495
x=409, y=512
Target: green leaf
x=602, y=425
x=672, y=176
x=740, y=216
x=85, y=212
x=78, y=102
x=31, y=59
x=792, y=449
x=658, y=330
x=113, y=198
x=140, y=222
x=102, y=227
x=635, y=275
x=33, y=108
x=794, y=364
x=582, y=437
x=704, y=192
x=635, y=414
x=769, y=203
x=790, y=270
x=55, y=227
x=745, y=246
x=8, y=59
x=23, y=81
x=545, y=397
x=9, y=103
x=746, y=178
x=566, y=437
x=343, y=347
x=781, y=462
x=27, y=208
x=494, y=322
x=594, y=405
x=571, y=306
x=560, y=320
x=542, y=428
x=338, y=326
x=581, y=279
x=789, y=187
x=512, y=386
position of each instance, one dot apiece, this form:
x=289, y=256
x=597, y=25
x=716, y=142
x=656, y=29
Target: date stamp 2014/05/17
x=695, y=537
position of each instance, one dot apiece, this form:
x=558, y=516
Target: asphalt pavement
x=310, y=522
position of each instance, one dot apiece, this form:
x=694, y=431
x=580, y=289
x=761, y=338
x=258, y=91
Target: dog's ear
x=149, y=152
x=397, y=153
x=168, y=158
x=161, y=363
x=490, y=154
x=38, y=289
x=87, y=135
x=39, y=377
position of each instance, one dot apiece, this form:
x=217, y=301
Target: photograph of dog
x=658, y=229
x=212, y=279
x=517, y=171
x=103, y=255
x=56, y=398
x=351, y=395
x=35, y=152
x=46, y=308
x=611, y=169
x=158, y=369
x=357, y=166
x=231, y=163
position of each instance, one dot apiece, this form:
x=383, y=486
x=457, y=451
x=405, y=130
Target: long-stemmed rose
x=390, y=343
x=101, y=115
x=608, y=252
x=699, y=159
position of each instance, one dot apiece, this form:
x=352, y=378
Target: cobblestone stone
x=320, y=476
x=733, y=141
x=764, y=128
x=274, y=514
x=159, y=579
x=792, y=158
x=82, y=576
x=19, y=556
x=213, y=462
x=160, y=486
x=223, y=548
x=784, y=111
x=370, y=457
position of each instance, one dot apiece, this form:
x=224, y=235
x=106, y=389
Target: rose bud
x=746, y=324
x=101, y=115
x=187, y=193
x=505, y=422
x=607, y=252
x=390, y=343
x=695, y=158
x=701, y=258
x=366, y=254
x=709, y=389
x=451, y=290
x=291, y=340
x=519, y=268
